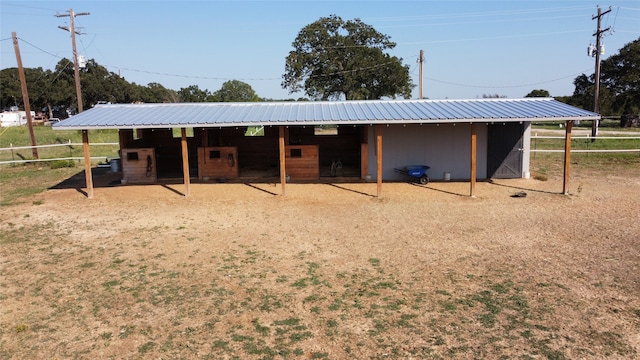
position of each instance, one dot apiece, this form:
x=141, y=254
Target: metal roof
x=187, y=115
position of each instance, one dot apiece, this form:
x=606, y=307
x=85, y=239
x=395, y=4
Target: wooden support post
x=379, y=159
x=283, y=171
x=567, y=156
x=185, y=163
x=364, y=160
x=472, y=191
x=87, y=163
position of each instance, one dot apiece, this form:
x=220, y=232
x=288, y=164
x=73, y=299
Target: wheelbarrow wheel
x=424, y=180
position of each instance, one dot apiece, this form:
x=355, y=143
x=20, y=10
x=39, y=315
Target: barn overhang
x=377, y=113
x=306, y=113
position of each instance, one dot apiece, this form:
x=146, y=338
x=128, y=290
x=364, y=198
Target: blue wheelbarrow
x=418, y=172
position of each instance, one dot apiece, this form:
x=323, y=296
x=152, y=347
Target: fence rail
x=14, y=149
x=587, y=151
x=533, y=150
x=587, y=139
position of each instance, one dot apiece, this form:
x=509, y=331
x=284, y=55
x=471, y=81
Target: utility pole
x=72, y=30
x=598, y=51
x=85, y=133
x=25, y=95
x=421, y=61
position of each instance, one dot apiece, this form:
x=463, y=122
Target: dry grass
x=329, y=271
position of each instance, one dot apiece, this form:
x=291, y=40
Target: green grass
x=547, y=165
x=19, y=136
x=45, y=135
x=22, y=181
x=582, y=143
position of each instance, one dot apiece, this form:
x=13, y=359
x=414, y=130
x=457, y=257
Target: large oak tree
x=336, y=59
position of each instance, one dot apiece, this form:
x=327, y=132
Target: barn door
x=505, y=151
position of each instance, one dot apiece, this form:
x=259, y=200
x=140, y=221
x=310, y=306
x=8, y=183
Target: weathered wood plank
x=218, y=162
x=139, y=165
x=302, y=162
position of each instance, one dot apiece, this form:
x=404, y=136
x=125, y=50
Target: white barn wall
x=444, y=147
x=526, y=150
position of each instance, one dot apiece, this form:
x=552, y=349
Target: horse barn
x=461, y=140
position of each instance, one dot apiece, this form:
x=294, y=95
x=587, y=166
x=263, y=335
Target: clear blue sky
x=471, y=47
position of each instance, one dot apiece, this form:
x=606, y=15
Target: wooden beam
x=567, y=157
x=283, y=171
x=474, y=143
x=364, y=160
x=185, y=163
x=87, y=163
x=379, y=159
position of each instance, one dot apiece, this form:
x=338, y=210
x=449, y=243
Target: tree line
x=53, y=91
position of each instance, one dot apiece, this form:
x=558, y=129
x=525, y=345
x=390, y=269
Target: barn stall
x=303, y=141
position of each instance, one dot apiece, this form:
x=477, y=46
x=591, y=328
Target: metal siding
x=444, y=148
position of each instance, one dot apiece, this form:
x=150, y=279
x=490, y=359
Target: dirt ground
x=236, y=271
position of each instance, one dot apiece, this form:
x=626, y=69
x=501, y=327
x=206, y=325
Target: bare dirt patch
x=328, y=271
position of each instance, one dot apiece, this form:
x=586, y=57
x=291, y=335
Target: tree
x=538, y=93
x=156, y=93
x=63, y=89
x=99, y=85
x=11, y=94
x=620, y=83
x=334, y=59
x=620, y=74
x=235, y=91
x=47, y=90
x=193, y=93
x=54, y=91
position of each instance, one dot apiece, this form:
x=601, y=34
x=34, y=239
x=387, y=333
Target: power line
x=57, y=73
x=40, y=49
x=491, y=37
x=479, y=22
x=279, y=78
x=480, y=14
x=187, y=76
x=29, y=7
x=505, y=86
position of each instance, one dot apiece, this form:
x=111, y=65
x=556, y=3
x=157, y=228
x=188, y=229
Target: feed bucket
x=115, y=165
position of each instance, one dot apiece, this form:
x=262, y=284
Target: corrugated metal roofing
x=173, y=115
